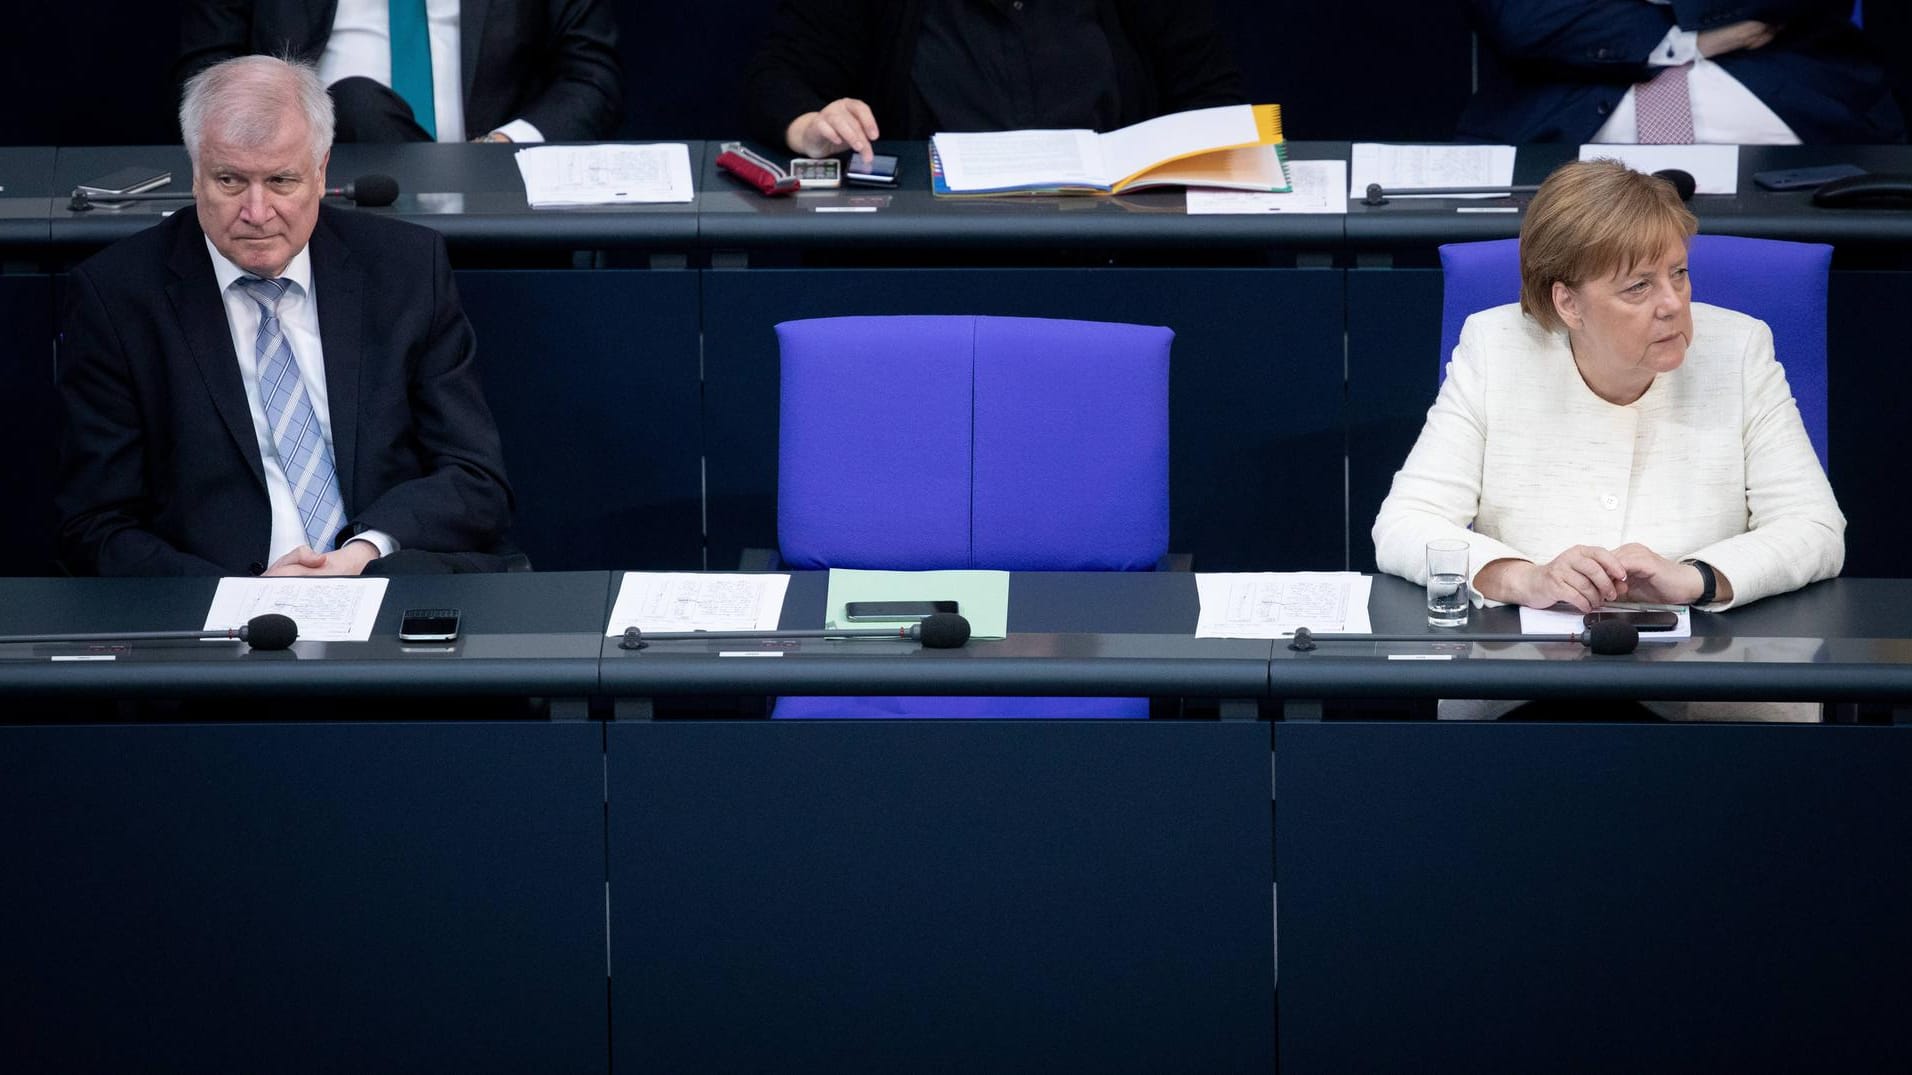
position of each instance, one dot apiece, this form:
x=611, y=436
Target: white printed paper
x=325, y=609
x=1547, y=621
x=606, y=175
x=1316, y=186
x=1406, y=167
x=1271, y=604
x=1715, y=169
x=694, y=601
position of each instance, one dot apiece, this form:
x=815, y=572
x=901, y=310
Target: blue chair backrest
x=916, y=443
x=1781, y=283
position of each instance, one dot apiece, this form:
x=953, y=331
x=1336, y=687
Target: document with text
x=325, y=610
x=1271, y=604
x=1406, y=167
x=694, y=601
x=1317, y=189
x=556, y=176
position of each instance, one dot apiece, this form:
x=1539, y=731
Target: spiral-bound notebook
x=1233, y=147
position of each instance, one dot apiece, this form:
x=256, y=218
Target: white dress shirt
x=361, y=44
x=299, y=320
x=1725, y=112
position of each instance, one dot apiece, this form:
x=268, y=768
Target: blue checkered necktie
x=300, y=443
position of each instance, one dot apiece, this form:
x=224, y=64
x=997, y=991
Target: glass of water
x=1447, y=583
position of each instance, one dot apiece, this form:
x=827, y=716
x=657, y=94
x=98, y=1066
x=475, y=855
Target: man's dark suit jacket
x=550, y=62
x=1553, y=70
x=160, y=461
x=1168, y=58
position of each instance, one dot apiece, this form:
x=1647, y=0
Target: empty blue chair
x=1781, y=283
x=1013, y=443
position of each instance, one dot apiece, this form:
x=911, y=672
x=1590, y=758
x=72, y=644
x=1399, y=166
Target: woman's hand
x=1654, y=579
x=1584, y=576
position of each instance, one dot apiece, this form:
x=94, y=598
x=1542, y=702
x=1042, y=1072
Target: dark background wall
x=1392, y=69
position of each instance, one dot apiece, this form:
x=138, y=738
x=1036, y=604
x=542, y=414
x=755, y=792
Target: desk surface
x=472, y=193
x=1070, y=634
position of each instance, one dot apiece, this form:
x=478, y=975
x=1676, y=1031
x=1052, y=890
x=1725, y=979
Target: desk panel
x=28, y=425
x=940, y=896
x=303, y=898
x=593, y=379
x=1255, y=390
x=1593, y=897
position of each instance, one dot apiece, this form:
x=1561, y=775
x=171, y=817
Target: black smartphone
x=880, y=172
x=1641, y=619
x=1804, y=178
x=133, y=179
x=429, y=625
x=895, y=610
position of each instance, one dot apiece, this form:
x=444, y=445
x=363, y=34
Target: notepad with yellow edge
x=1234, y=147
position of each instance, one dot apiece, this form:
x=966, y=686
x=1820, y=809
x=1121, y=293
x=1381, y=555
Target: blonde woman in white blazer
x=1606, y=438
x=1606, y=432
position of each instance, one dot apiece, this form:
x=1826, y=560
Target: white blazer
x=1712, y=463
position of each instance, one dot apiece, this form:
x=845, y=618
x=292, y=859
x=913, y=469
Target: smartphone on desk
x=133, y=179
x=1641, y=619
x=861, y=611
x=1805, y=178
x=429, y=625
x=880, y=172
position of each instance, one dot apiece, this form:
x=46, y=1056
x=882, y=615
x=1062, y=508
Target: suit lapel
x=201, y=310
x=471, y=35
x=340, y=288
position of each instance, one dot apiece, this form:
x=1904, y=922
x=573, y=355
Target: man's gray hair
x=245, y=99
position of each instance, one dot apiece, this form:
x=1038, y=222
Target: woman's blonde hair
x=1591, y=219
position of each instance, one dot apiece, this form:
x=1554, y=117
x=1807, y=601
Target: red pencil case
x=756, y=170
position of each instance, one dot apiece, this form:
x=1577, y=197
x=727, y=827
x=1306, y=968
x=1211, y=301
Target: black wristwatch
x=1709, y=581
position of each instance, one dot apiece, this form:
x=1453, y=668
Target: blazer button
x=255, y=568
x=1609, y=502
x=1603, y=109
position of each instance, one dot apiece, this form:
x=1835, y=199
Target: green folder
x=982, y=596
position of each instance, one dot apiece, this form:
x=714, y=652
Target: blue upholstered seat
x=1026, y=444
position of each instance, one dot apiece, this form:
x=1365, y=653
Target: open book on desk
x=1235, y=147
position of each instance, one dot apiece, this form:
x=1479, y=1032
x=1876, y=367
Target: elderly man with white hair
x=267, y=384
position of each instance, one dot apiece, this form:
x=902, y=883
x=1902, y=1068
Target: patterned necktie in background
x=1663, y=108
x=303, y=452
x=412, y=61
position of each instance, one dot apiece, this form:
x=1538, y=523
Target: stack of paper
x=1237, y=147
x=606, y=175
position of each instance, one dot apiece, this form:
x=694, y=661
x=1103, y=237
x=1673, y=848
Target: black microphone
x=1606, y=637
x=942, y=630
x=1683, y=183
x=270, y=631
x=371, y=191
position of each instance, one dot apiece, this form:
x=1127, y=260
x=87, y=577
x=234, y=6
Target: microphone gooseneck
x=1607, y=638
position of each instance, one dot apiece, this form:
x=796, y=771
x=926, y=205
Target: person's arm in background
x=1192, y=64
x=211, y=31
x=814, y=67
x=583, y=94
x=1795, y=531
x=103, y=502
x=1596, y=40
